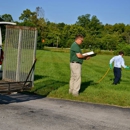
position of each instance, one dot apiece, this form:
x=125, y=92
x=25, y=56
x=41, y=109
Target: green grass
x=52, y=74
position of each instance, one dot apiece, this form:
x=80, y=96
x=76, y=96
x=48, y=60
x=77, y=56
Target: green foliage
x=26, y=23
x=84, y=21
x=7, y=17
x=27, y=15
x=98, y=51
x=96, y=35
x=123, y=47
x=109, y=42
x=120, y=28
x=106, y=52
x=40, y=46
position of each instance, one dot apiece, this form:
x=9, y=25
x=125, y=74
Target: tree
x=69, y=33
x=120, y=27
x=65, y=36
x=110, y=41
x=30, y=19
x=52, y=33
x=108, y=29
x=27, y=15
x=95, y=33
x=95, y=26
x=84, y=21
x=7, y=17
x=126, y=34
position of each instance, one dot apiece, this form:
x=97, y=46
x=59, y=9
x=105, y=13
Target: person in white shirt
x=118, y=63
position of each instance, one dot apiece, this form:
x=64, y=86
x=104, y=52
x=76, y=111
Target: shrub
x=125, y=48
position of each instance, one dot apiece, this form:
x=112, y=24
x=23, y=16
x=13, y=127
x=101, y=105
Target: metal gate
x=19, y=53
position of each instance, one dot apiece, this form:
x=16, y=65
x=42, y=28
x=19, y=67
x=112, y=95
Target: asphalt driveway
x=31, y=112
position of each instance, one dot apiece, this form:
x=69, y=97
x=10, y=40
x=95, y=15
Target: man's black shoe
x=114, y=84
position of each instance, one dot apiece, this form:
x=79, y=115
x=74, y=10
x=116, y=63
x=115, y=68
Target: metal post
x=19, y=56
x=0, y=37
x=57, y=41
x=34, y=56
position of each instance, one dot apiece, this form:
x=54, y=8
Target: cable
x=103, y=76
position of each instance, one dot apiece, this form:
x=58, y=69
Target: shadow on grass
x=37, y=77
x=45, y=87
x=85, y=85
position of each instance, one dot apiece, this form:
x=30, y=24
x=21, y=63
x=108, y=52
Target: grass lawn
x=52, y=74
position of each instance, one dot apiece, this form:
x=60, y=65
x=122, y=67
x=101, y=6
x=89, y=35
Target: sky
x=68, y=11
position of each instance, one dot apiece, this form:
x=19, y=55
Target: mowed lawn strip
x=52, y=74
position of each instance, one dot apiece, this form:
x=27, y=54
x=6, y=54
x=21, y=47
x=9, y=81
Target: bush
x=125, y=48
x=40, y=46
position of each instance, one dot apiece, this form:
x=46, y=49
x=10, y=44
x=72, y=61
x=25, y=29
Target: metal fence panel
x=19, y=53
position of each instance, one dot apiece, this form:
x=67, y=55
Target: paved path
x=24, y=112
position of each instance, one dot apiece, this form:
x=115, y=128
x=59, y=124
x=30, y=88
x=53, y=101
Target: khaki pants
x=75, y=79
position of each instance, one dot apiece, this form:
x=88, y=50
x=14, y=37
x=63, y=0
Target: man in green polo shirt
x=76, y=60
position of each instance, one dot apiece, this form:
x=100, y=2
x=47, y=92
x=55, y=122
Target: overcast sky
x=67, y=11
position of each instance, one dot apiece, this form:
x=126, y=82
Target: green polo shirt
x=73, y=50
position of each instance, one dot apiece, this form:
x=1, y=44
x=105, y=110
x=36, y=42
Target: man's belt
x=75, y=62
